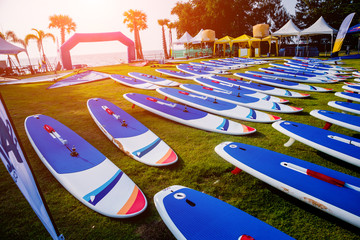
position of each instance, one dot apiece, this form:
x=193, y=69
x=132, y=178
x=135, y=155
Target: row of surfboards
x=99, y=184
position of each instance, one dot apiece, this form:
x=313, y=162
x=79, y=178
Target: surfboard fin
x=290, y=142
x=236, y=171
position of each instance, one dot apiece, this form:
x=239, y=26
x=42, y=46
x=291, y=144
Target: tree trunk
x=62, y=35
x=164, y=43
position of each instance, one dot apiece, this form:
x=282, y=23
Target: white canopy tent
x=10, y=49
x=198, y=38
x=186, y=38
x=320, y=27
x=289, y=29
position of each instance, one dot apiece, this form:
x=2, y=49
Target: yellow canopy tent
x=225, y=40
x=246, y=41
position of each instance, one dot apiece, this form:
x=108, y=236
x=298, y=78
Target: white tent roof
x=197, y=38
x=8, y=48
x=186, y=38
x=318, y=28
x=289, y=29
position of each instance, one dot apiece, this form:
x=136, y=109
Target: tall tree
x=227, y=17
x=39, y=37
x=64, y=23
x=136, y=21
x=162, y=23
x=170, y=26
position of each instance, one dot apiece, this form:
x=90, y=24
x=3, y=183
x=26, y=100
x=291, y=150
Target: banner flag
x=15, y=162
x=341, y=34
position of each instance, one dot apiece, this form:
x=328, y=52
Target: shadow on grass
x=338, y=161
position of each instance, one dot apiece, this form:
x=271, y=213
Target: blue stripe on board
x=275, y=106
x=101, y=192
x=252, y=114
x=141, y=152
x=288, y=93
x=224, y=125
x=266, y=98
x=312, y=87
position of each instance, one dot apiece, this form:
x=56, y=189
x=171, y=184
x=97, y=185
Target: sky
x=90, y=16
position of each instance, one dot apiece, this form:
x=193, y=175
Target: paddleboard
x=133, y=82
x=334, y=144
x=238, y=91
x=176, y=74
x=190, y=214
x=295, y=73
x=80, y=78
x=282, y=83
x=345, y=106
x=314, y=68
x=288, y=77
x=352, y=88
x=244, y=101
x=349, y=96
x=259, y=87
x=342, y=119
x=197, y=68
x=311, y=70
x=82, y=170
x=225, y=66
x=215, y=66
x=154, y=79
x=129, y=135
x=188, y=116
x=333, y=192
x=44, y=78
x=319, y=65
x=216, y=106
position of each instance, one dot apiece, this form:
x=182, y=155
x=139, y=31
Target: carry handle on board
x=117, y=117
x=57, y=136
x=320, y=176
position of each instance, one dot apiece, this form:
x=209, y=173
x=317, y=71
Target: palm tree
x=170, y=26
x=39, y=37
x=162, y=23
x=64, y=23
x=136, y=20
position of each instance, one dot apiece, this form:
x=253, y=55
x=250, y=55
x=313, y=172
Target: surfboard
x=333, y=192
x=217, y=106
x=80, y=78
x=345, y=106
x=224, y=66
x=133, y=82
x=318, y=66
x=37, y=79
x=245, y=101
x=296, y=73
x=288, y=77
x=194, y=71
x=259, y=87
x=130, y=135
x=191, y=214
x=352, y=88
x=82, y=170
x=341, y=119
x=215, y=66
x=282, y=83
x=334, y=144
x=176, y=74
x=312, y=70
x=187, y=115
x=349, y=96
x=234, y=64
x=315, y=68
x=154, y=79
x=238, y=91
x=203, y=68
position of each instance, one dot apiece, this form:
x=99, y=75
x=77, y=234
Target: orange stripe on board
x=168, y=157
x=129, y=202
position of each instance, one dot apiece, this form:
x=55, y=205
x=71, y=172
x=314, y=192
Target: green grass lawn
x=199, y=167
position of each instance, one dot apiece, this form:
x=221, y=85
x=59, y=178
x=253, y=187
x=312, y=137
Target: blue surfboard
x=335, y=144
x=333, y=192
x=190, y=214
x=133, y=82
x=345, y=106
x=216, y=106
x=129, y=135
x=244, y=100
x=353, y=88
x=194, y=69
x=154, y=79
x=187, y=115
x=288, y=77
x=237, y=90
x=82, y=170
x=349, y=96
x=341, y=119
x=176, y=74
x=259, y=87
x=282, y=83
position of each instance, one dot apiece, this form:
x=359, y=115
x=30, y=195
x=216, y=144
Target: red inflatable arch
x=94, y=37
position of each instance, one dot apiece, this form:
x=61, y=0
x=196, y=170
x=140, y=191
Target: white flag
x=15, y=162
